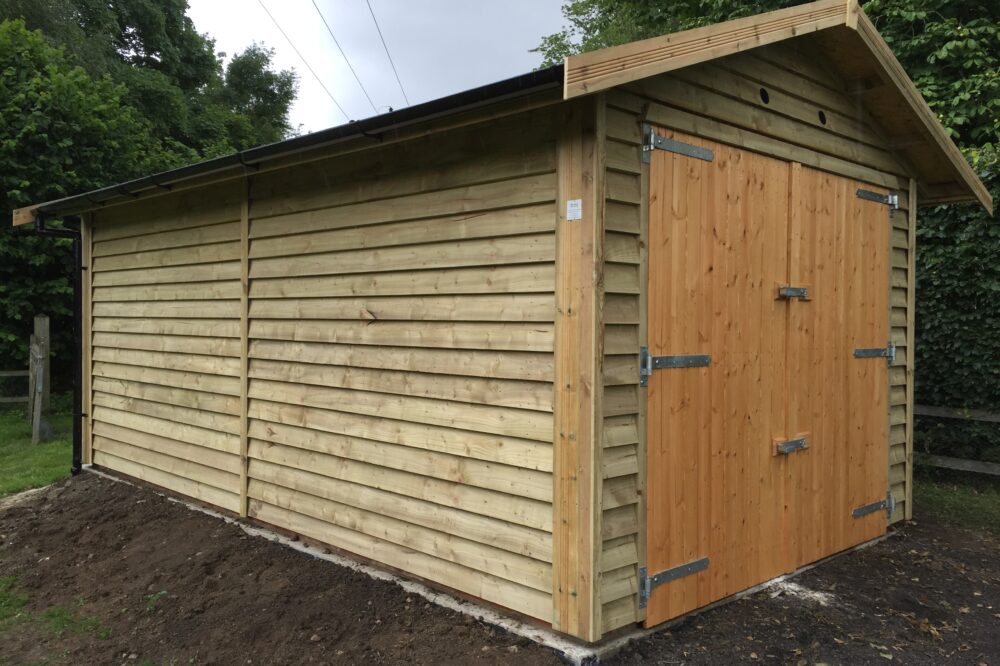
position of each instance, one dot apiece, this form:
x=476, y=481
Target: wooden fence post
x=44, y=347
x=38, y=380
x=30, y=409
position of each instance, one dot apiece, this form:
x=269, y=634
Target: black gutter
x=78, y=414
x=373, y=127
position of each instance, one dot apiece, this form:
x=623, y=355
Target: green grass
x=25, y=465
x=12, y=602
x=965, y=500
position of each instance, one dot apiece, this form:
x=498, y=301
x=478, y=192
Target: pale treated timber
x=516, y=510
x=313, y=449
x=490, y=588
x=577, y=536
x=87, y=335
x=268, y=417
x=533, y=366
x=244, y=418
x=477, y=556
x=496, y=532
x=490, y=224
x=511, y=279
x=606, y=68
x=499, y=336
x=522, y=423
x=476, y=390
x=212, y=439
x=178, y=484
x=911, y=317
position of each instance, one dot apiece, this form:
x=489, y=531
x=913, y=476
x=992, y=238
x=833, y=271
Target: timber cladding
x=399, y=325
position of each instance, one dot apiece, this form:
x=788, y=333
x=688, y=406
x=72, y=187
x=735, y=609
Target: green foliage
x=952, y=52
x=12, y=603
x=94, y=92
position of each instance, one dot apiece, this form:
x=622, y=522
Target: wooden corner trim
x=892, y=68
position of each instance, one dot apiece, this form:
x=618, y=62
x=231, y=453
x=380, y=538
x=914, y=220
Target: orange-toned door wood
x=718, y=241
x=724, y=235
x=839, y=248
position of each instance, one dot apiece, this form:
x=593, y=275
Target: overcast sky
x=439, y=47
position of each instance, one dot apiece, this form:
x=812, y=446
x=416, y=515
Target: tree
x=61, y=131
x=106, y=91
x=952, y=52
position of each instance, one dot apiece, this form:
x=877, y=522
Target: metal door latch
x=790, y=292
x=791, y=445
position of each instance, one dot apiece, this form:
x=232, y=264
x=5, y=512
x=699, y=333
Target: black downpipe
x=78, y=415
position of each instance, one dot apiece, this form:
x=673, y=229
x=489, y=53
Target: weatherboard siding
x=399, y=323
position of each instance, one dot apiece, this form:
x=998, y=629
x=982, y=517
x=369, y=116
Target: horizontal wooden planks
x=164, y=347
x=399, y=335
x=623, y=254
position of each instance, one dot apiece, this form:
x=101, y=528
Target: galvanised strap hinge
x=890, y=200
x=889, y=352
x=889, y=504
x=648, y=363
x=652, y=141
x=647, y=582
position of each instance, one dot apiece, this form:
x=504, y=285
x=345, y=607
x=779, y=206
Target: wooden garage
x=600, y=345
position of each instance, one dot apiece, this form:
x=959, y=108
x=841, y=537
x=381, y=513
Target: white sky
x=439, y=47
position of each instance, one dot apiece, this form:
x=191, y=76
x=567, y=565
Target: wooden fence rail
x=960, y=464
x=17, y=398
x=957, y=413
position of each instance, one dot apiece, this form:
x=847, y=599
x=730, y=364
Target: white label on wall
x=574, y=209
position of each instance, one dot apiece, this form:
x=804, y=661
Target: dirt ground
x=98, y=572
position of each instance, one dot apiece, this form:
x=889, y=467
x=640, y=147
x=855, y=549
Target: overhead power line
x=356, y=78
x=372, y=12
x=303, y=59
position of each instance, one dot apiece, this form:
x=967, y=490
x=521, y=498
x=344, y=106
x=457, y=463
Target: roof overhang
x=376, y=129
x=849, y=43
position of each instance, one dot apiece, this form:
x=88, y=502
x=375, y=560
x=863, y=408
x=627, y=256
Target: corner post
x=911, y=350
x=244, y=342
x=578, y=369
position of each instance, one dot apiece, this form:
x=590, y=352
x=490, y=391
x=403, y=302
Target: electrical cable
x=304, y=61
x=356, y=77
x=372, y=12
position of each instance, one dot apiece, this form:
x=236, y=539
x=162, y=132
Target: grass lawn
x=958, y=498
x=25, y=465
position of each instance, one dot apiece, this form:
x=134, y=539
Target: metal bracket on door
x=647, y=583
x=889, y=504
x=890, y=200
x=793, y=292
x=652, y=141
x=889, y=352
x=648, y=363
x=791, y=445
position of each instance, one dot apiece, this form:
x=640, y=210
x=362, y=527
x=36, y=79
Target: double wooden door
x=765, y=458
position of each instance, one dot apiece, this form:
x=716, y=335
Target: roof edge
x=593, y=71
x=518, y=86
x=893, y=69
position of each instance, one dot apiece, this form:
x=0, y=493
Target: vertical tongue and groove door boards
x=758, y=455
